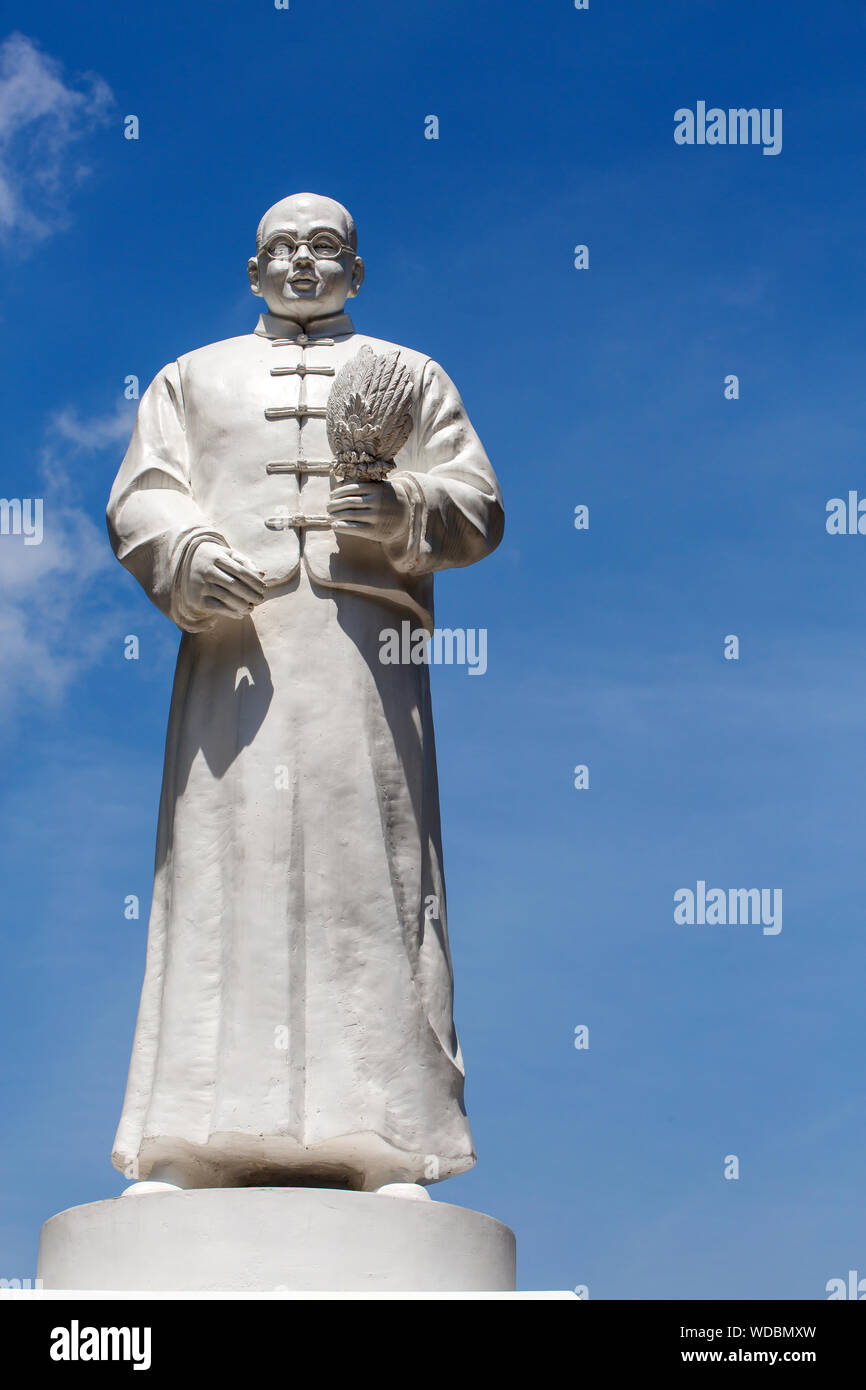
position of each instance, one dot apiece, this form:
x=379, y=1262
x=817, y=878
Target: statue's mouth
x=303, y=282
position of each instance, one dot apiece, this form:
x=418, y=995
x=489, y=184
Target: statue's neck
x=326, y=325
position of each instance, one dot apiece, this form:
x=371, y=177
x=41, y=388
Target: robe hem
x=236, y=1158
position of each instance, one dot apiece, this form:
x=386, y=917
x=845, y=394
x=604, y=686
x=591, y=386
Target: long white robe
x=296, y=1015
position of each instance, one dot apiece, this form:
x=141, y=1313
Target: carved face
x=305, y=266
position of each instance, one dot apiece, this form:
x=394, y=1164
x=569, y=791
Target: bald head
x=298, y=270
x=312, y=209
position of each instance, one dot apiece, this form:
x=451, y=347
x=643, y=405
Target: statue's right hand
x=223, y=582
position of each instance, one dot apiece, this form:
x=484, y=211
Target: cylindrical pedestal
x=262, y=1239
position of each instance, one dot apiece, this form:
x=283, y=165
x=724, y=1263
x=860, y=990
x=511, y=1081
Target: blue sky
x=603, y=387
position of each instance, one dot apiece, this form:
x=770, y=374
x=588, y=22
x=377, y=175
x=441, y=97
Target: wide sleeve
x=456, y=514
x=154, y=522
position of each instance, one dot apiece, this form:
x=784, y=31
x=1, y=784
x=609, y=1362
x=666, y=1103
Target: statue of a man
x=296, y=1022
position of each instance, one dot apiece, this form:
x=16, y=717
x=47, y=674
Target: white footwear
x=409, y=1191
x=160, y=1180
x=140, y=1189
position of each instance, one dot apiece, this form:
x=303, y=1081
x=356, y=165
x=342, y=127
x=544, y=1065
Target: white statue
x=296, y=1026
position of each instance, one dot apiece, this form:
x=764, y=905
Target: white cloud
x=43, y=118
x=96, y=432
x=55, y=619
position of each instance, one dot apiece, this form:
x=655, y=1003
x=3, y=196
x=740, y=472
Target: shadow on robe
x=230, y=661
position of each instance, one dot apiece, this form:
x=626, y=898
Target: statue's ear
x=357, y=277
x=253, y=273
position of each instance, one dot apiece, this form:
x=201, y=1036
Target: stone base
x=266, y=1239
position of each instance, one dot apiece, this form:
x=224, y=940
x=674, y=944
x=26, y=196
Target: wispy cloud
x=43, y=118
x=96, y=432
x=70, y=435
x=55, y=622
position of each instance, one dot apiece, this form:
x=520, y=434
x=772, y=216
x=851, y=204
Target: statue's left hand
x=374, y=511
